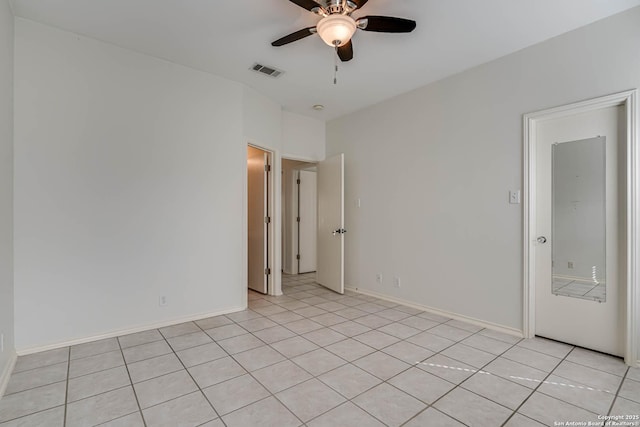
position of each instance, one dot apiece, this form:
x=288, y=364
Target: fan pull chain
x=335, y=72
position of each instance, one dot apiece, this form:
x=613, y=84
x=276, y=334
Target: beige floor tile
x=216, y=371
x=97, y=383
x=233, y=394
x=345, y=415
x=146, y=351
x=469, y=355
x=500, y=390
x=318, y=361
x=30, y=401
x=389, y=405
x=99, y=362
x=294, y=346
x=140, y=338
x=382, y=365
x=309, y=399
x=201, y=354
x=548, y=410
x=472, y=409
x=421, y=385
x=281, y=376
x=240, y=343
x=349, y=380
x=376, y=339
x=275, y=334
x=50, y=418
x=258, y=358
x=101, y=408
x=39, y=360
x=38, y=377
x=189, y=410
x=408, y=352
x=532, y=358
x=350, y=349
x=265, y=413
x=93, y=348
x=180, y=329
x=182, y=342
x=433, y=417
x=164, y=388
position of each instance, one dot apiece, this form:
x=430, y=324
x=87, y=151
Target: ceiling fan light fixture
x=336, y=30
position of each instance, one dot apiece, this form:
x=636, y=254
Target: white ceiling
x=227, y=37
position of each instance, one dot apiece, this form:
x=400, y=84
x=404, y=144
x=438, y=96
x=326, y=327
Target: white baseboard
x=120, y=332
x=6, y=373
x=482, y=323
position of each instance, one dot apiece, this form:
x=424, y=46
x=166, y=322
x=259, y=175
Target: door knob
x=542, y=239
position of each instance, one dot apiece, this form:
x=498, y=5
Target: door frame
x=271, y=229
x=628, y=99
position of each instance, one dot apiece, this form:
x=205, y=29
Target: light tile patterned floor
x=316, y=358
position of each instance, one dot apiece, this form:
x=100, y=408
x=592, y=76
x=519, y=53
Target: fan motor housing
x=339, y=6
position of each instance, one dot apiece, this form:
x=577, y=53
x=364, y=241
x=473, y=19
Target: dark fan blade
x=346, y=52
x=360, y=3
x=387, y=24
x=306, y=4
x=305, y=32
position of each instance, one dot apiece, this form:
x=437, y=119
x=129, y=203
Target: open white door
x=330, y=268
x=258, y=214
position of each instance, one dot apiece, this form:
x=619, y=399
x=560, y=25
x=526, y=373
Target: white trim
x=120, y=332
x=484, y=324
x=628, y=99
x=6, y=373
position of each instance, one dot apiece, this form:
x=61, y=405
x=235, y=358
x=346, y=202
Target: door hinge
x=298, y=181
x=298, y=219
x=267, y=220
x=267, y=271
x=298, y=256
x=267, y=168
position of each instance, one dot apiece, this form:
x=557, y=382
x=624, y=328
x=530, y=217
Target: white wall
x=128, y=186
x=433, y=169
x=6, y=189
x=303, y=138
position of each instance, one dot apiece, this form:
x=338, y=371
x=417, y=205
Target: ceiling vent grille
x=266, y=70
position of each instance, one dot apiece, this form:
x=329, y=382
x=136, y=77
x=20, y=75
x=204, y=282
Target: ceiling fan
x=337, y=26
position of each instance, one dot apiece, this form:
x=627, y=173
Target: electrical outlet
x=570, y=264
x=396, y=282
x=514, y=197
x=379, y=278
x=162, y=300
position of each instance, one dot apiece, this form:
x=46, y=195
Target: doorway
x=259, y=223
x=581, y=284
x=299, y=216
x=329, y=232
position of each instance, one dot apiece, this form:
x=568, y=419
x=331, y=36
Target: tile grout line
x=135, y=394
x=66, y=392
x=381, y=350
x=459, y=385
x=535, y=389
x=613, y=402
x=193, y=379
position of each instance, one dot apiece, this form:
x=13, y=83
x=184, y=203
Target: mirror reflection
x=578, y=212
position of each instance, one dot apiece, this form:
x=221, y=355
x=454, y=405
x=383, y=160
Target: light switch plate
x=514, y=197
